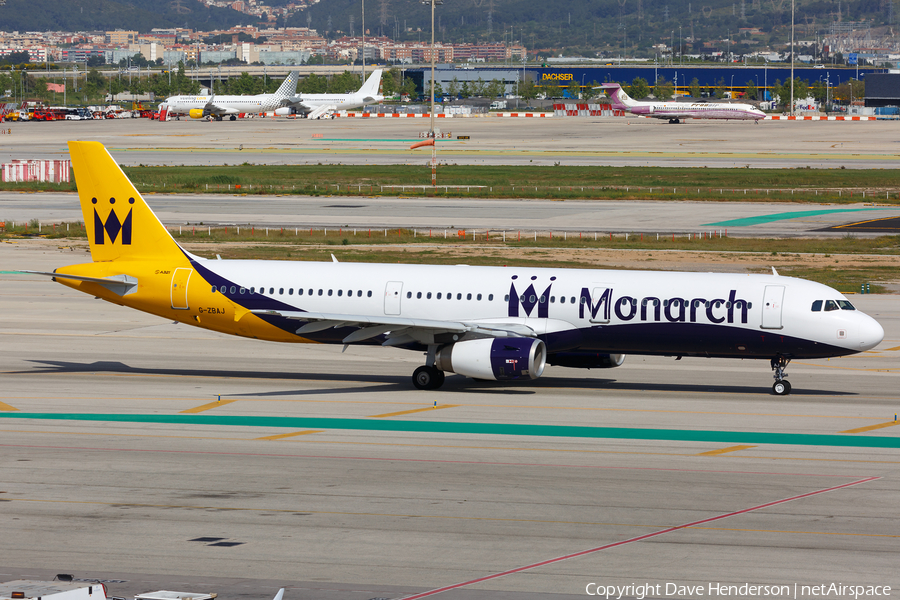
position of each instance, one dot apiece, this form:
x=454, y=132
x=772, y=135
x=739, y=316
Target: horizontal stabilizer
x=117, y=284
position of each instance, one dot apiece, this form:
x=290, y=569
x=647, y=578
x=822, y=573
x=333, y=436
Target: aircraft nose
x=870, y=333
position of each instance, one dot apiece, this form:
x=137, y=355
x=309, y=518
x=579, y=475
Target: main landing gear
x=428, y=377
x=781, y=387
x=674, y=121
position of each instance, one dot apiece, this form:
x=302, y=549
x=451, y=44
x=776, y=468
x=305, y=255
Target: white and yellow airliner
x=494, y=323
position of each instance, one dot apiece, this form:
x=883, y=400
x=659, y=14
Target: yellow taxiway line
x=205, y=407
x=871, y=427
x=415, y=410
x=724, y=450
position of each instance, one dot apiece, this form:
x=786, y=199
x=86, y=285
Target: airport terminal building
x=734, y=78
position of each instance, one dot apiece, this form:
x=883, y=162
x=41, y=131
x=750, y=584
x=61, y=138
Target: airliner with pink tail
x=676, y=111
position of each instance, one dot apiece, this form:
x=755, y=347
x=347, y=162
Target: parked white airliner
x=675, y=111
x=316, y=106
x=494, y=323
x=198, y=107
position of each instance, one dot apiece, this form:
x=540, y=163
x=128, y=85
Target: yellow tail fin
x=120, y=225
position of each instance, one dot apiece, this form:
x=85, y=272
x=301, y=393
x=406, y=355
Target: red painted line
x=634, y=539
x=426, y=460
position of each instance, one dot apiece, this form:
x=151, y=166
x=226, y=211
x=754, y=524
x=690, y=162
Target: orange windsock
x=428, y=142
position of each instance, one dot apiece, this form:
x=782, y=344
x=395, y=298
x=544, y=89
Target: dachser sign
x=557, y=77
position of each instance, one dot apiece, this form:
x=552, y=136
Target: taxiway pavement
x=492, y=141
x=335, y=512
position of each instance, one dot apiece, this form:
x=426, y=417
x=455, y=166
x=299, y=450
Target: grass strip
x=539, y=182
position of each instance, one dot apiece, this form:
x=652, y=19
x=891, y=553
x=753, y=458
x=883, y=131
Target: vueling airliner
x=675, y=111
x=199, y=107
x=490, y=323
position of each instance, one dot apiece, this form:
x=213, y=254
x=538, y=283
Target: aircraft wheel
x=233, y=118
x=428, y=378
x=781, y=388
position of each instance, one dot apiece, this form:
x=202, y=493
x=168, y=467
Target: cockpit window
x=817, y=306
x=845, y=305
x=830, y=305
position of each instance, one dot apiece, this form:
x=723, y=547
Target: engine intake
x=496, y=359
x=196, y=113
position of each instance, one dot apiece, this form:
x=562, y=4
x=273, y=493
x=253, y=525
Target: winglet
x=279, y=595
x=774, y=272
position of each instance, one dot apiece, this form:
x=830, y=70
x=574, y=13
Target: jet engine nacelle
x=284, y=111
x=586, y=360
x=496, y=359
x=196, y=113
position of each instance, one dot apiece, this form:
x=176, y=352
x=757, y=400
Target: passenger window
x=428, y=296
x=320, y=292
x=817, y=306
x=272, y=291
x=223, y=289
x=409, y=294
x=552, y=299
x=280, y=291
x=531, y=298
x=310, y=292
x=369, y=294
x=359, y=293
x=506, y=298
x=562, y=299
x=290, y=291
x=478, y=297
x=438, y=296
x=215, y=289
x=468, y=296
x=340, y=293
x=490, y=297
x=459, y=296
x=845, y=305
x=572, y=300
x=330, y=292
x=253, y=290
x=418, y=295
x=830, y=305
x=449, y=295
x=243, y=291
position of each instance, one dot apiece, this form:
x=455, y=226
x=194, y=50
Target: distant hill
x=582, y=25
x=103, y=15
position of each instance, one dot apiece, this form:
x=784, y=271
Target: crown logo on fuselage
x=112, y=226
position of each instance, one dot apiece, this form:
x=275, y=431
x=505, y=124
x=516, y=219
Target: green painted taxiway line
x=621, y=433
x=759, y=220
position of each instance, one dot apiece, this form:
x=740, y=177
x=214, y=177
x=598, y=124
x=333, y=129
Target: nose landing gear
x=781, y=387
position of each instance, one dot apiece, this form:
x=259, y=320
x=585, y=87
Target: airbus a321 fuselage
x=676, y=111
x=493, y=323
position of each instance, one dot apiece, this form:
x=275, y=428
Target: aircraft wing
x=297, y=102
x=399, y=330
